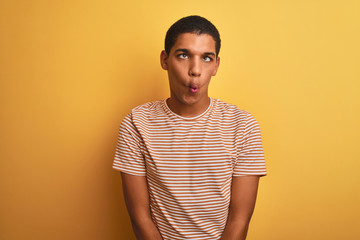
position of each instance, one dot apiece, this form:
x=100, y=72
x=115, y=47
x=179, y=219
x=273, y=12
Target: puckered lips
x=194, y=88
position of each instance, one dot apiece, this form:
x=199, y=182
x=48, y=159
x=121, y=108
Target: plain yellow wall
x=71, y=70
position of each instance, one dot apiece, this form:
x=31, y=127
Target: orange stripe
x=189, y=163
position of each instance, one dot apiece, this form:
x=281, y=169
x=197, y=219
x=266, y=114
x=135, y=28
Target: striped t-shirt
x=189, y=163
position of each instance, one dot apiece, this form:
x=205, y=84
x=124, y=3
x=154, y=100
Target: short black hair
x=191, y=24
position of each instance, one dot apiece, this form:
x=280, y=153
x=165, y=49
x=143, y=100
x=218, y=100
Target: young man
x=190, y=164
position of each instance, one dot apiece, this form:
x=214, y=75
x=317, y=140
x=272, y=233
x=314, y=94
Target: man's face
x=190, y=64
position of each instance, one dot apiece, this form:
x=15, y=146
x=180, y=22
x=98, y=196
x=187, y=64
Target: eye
x=207, y=59
x=183, y=56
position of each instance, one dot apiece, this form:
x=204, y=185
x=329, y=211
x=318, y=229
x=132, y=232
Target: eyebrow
x=187, y=51
x=182, y=50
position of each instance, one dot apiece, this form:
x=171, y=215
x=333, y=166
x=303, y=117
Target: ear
x=163, y=60
x=217, y=66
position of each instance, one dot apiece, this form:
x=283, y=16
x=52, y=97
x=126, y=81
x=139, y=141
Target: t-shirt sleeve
x=128, y=155
x=250, y=158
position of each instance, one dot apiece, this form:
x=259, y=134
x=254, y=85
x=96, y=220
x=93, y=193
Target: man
x=190, y=164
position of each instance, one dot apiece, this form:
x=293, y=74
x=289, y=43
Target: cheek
x=178, y=72
x=209, y=73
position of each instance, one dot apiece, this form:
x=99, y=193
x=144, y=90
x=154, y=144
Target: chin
x=190, y=100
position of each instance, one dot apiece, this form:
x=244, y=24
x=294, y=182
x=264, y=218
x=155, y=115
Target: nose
x=195, y=67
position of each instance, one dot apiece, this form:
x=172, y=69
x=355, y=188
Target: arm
x=242, y=203
x=137, y=203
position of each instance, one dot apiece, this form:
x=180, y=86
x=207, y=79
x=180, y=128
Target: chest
x=191, y=149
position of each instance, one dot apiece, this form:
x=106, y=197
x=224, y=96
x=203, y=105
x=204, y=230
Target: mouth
x=194, y=89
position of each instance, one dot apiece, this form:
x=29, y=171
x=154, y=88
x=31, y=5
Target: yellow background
x=71, y=70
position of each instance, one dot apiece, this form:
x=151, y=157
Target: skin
x=138, y=205
x=242, y=204
x=191, y=63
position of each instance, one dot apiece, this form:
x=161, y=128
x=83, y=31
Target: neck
x=186, y=110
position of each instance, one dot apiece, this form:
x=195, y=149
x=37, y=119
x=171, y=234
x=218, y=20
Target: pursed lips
x=194, y=88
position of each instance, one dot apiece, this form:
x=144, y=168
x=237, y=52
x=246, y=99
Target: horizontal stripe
x=189, y=163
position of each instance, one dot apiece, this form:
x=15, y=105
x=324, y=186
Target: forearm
x=242, y=203
x=235, y=230
x=137, y=202
x=145, y=229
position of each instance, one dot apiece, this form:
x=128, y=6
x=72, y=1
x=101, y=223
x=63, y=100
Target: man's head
x=191, y=58
x=191, y=24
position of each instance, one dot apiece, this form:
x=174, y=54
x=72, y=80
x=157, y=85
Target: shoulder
x=235, y=115
x=141, y=115
x=231, y=110
x=149, y=106
x=148, y=109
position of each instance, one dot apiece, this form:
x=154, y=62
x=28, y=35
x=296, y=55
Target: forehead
x=194, y=43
